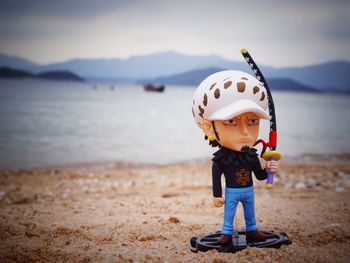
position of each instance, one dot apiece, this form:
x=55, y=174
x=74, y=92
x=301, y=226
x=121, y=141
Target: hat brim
x=237, y=108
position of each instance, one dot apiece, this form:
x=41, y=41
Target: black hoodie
x=237, y=168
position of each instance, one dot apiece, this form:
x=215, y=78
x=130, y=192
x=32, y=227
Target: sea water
x=45, y=124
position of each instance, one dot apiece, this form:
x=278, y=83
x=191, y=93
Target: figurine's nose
x=243, y=128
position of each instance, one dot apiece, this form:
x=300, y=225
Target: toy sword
x=272, y=154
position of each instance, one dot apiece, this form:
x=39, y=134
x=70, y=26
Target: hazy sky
x=277, y=32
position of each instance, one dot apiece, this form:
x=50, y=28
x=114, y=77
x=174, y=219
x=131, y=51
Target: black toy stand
x=239, y=242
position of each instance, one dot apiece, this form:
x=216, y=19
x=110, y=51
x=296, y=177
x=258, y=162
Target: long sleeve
x=216, y=174
x=260, y=173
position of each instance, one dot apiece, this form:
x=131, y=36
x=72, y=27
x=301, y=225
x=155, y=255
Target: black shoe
x=225, y=239
x=256, y=236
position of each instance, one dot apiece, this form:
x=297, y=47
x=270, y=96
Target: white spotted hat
x=226, y=94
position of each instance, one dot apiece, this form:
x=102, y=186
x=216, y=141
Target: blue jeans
x=232, y=197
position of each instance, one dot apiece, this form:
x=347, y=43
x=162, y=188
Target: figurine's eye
x=253, y=122
x=231, y=122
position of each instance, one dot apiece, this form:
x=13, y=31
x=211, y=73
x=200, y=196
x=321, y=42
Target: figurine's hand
x=272, y=166
x=218, y=201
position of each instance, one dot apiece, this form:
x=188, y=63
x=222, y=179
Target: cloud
x=77, y=9
x=299, y=32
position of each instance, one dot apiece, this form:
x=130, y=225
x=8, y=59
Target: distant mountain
x=328, y=76
x=6, y=72
x=135, y=67
x=18, y=63
x=52, y=75
x=284, y=84
x=194, y=78
x=332, y=76
x=59, y=75
x=149, y=66
x=191, y=78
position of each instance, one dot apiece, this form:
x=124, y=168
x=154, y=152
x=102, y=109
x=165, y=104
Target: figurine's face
x=237, y=132
x=240, y=131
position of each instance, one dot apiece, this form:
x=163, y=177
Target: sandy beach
x=121, y=212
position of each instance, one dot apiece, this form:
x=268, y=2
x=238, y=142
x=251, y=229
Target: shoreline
x=306, y=159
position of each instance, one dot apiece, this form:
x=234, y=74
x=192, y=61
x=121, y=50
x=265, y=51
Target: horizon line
x=162, y=52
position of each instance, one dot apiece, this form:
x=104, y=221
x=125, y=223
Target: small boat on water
x=151, y=87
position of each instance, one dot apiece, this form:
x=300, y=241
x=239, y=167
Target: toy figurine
x=228, y=106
